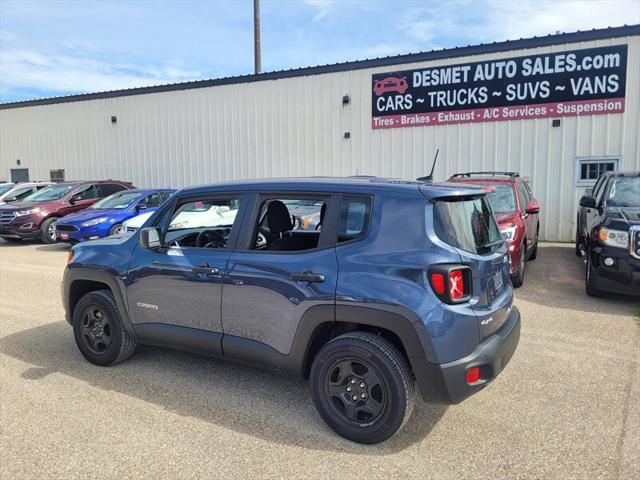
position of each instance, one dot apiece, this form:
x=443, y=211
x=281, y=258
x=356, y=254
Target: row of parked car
x=607, y=233
x=74, y=211
x=80, y=211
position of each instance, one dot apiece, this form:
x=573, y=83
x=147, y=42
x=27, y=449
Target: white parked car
x=10, y=192
x=197, y=214
x=134, y=223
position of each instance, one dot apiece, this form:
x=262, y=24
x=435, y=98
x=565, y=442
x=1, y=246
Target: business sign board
x=579, y=82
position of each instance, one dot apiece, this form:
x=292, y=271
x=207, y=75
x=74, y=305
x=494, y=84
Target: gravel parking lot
x=567, y=406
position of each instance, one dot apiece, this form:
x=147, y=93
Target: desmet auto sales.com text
x=529, y=89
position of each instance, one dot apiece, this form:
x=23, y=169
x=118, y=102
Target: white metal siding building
x=296, y=123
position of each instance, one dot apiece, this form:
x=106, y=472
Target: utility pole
x=256, y=35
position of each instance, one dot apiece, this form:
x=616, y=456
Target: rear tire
x=48, y=230
x=517, y=278
x=372, y=370
x=99, y=330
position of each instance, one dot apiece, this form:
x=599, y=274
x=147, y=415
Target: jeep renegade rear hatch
x=464, y=220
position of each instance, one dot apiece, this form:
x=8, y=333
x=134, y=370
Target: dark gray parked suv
x=392, y=284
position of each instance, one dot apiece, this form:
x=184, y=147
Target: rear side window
x=467, y=224
x=355, y=213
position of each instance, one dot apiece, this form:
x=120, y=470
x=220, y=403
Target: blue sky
x=50, y=48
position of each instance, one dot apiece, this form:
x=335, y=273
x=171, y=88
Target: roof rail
x=491, y=174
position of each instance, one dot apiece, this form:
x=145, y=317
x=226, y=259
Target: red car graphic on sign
x=390, y=84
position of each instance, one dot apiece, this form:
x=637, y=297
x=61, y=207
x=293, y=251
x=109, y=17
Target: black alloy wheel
x=355, y=391
x=96, y=329
x=99, y=330
x=362, y=386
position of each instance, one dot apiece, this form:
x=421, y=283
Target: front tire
x=589, y=280
x=116, y=229
x=48, y=230
x=362, y=387
x=579, y=241
x=534, y=252
x=99, y=331
x=517, y=279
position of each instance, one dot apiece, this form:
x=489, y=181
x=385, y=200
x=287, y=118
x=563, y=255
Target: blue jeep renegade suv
x=365, y=286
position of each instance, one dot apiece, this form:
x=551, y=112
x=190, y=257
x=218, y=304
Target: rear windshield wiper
x=491, y=244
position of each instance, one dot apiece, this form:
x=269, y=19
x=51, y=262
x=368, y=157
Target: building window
x=56, y=175
x=588, y=170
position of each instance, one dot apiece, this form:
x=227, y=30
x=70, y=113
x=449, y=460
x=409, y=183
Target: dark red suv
x=36, y=215
x=516, y=211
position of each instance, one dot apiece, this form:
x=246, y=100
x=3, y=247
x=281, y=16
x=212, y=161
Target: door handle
x=307, y=277
x=206, y=270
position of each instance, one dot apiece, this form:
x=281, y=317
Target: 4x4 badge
x=486, y=321
x=147, y=305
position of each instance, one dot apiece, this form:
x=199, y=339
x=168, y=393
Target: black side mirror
x=150, y=238
x=588, y=201
x=141, y=206
x=74, y=199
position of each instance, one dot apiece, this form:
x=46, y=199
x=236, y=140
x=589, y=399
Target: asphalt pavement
x=567, y=405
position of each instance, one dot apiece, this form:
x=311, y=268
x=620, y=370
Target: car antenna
x=429, y=177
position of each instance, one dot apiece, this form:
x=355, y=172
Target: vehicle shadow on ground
x=22, y=243
x=556, y=279
x=250, y=401
x=54, y=247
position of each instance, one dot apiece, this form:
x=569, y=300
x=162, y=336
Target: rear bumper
x=447, y=383
x=621, y=277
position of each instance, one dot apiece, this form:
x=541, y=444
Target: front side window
x=624, y=192
x=5, y=189
x=523, y=196
x=154, y=200
x=205, y=214
x=502, y=199
x=54, y=192
x=87, y=193
x=355, y=214
x=206, y=223
x=467, y=224
x=290, y=224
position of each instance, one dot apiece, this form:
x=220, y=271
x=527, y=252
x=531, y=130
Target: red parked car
x=516, y=211
x=36, y=215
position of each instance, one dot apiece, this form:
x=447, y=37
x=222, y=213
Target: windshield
x=117, y=201
x=54, y=192
x=468, y=225
x=5, y=189
x=502, y=200
x=624, y=192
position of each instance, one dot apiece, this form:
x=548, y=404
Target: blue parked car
x=105, y=217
